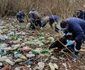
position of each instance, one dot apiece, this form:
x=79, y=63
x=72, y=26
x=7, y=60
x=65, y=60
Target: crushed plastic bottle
x=17, y=55
x=30, y=55
x=17, y=68
x=65, y=65
x=29, y=62
x=3, y=58
x=1, y=64
x=43, y=41
x=10, y=62
x=34, y=52
x=3, y=37
x=38, y=50
x=1, y=51
x=41, y=65
x=23, y=57
x=44, y=51
x=53, y=66
x=51, y=39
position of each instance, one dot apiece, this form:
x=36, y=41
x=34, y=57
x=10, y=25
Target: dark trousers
x=35, y=23
x=20, y=19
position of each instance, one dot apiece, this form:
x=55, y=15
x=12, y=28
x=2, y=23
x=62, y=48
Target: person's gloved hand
x=41, y=28
x=64, y=34
x=70, y=42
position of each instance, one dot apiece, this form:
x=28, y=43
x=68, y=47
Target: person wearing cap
x=79, y=14
x=20, y=16
x=75, y=26
x=51, y=19
x=35, y=18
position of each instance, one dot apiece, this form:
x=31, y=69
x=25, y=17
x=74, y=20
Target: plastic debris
x=24, y=49
x=9, y=61
x=34, y=52
x=65, y=65
x=44, y=51
x=53, y=66
x=23, y=57
x=30, y=55
x=29, y=62
x=51, y=39
x=1, y=64
x=41, y=65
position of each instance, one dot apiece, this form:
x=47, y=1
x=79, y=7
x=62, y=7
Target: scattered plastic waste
x=24, y=49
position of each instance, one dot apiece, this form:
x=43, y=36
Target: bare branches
x=63, y=8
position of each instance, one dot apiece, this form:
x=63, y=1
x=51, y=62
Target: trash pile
x=23, y=49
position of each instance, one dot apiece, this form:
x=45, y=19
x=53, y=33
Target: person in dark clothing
x=79, y=14
x=20, y=16
x=51, y=19
x=35, y=18
x=75, y=26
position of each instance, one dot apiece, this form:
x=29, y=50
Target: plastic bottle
x=45, y=51
x=51, y=66
x=23, y=57
x=9, y=61
x=43, y=41
x=41, y=65
x=51, y=39
x=29, y=62
x=3, y=58
x=1, y=51
x=34, y=52
x=30, y=55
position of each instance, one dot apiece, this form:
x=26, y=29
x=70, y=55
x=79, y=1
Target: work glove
x=70, y=42
x=64, y=34
x=41, y=28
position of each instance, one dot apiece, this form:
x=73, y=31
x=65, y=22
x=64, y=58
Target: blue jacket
x=53, y=19
x=82, y=14
x=77, y=27
x=20, y=13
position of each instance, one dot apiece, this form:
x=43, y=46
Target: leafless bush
x=62, y=8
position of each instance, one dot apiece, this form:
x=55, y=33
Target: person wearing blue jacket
x=20, y=16
x=75, y=26
x=51, y=19
x=79, y=14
